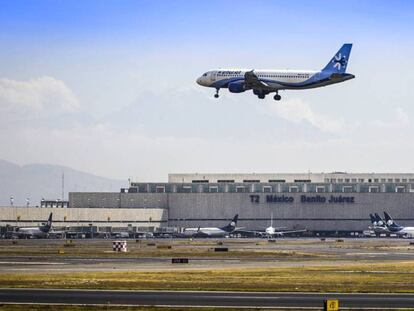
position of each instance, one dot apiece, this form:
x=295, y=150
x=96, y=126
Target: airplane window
x=205, y=75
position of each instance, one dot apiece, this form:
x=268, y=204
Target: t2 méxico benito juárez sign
x=332, y=199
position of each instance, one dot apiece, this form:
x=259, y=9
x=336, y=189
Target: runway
x=189, y=298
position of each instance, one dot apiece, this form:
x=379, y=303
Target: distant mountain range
x=37, y=181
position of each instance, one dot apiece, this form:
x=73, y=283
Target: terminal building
x=320, y=202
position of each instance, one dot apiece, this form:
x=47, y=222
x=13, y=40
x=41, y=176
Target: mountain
x=37, y=181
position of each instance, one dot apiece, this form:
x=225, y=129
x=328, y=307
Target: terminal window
x=239, y=189
x=347, y=189
x=277, y=180
x=213, y=189
x=160, y=189
x=267, y=189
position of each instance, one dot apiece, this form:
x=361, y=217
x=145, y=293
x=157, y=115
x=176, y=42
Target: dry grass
x=183, y=248
x=385, y=277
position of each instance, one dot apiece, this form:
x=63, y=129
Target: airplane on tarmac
x=270, y=231
x=212, y=232
x=393, y=227
x=35, y=232
x=378, y=225
x=264, y=82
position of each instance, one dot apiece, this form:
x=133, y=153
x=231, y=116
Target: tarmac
x=204, y=299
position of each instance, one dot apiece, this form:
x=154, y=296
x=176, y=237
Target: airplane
x=393, y=227
x=35, y=232
x=211, y=232
x=270, y=231
x=378, y=225
x=264, y=82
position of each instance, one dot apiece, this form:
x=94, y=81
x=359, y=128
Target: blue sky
x=111, y=84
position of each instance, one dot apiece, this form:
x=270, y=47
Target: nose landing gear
x=217, y=93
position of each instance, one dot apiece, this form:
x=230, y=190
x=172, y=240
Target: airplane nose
x=199, y=81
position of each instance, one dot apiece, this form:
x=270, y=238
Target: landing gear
x=217, y=93
x=260, y=93
x=277, y=97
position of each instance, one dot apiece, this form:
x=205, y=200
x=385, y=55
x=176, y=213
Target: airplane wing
x=250, y=233
x=252, y=81
x=289, y=231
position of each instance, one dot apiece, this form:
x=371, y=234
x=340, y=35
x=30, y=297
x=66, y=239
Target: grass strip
x=379, y=277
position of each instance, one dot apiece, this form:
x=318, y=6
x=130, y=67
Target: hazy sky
x=108, y=87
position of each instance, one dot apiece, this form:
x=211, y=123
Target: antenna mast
x=63, y=186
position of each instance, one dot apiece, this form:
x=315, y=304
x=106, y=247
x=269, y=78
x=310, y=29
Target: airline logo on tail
x=339, y=61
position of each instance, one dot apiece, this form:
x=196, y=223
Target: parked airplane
x=377, y=224
x=270, y=231
x=35, y=232
x=210, y=232
x=263, y=82
x=393, y=227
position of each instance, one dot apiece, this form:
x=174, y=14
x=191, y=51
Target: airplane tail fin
x=339, y=62
x=373, y=220
x=232, y=225
x=389, y=221
x=49, y=221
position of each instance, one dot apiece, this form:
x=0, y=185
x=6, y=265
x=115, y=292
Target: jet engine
x=237, y=87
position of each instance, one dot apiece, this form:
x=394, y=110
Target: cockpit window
x=205, y=75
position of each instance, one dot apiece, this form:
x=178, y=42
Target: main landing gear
x=217, y=93
x=277, y=97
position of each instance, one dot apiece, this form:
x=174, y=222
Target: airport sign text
x=305, y=199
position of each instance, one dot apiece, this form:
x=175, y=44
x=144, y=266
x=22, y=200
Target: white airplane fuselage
x=208, y=231
x=31, y=232
x=405, y=231
x=275, y=79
